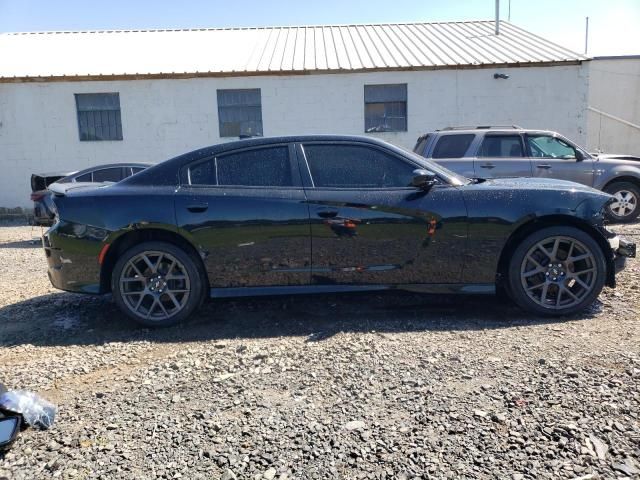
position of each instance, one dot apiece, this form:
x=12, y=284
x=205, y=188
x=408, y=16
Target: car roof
x=474, y=131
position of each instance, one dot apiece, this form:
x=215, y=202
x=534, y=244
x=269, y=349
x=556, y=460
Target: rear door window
x=452, y=146
x=113, y=174
x=356, y=166
x=501, y=146
x=261, y=167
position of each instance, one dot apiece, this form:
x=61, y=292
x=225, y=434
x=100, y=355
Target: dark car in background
x=511, y=151
x=41, y=195
x=327, y=214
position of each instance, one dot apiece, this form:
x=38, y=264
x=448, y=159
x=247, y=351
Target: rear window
x=84, y=178
x=452, y=146
x=421, y=144
x=108, y=175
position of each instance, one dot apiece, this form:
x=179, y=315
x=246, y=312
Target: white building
x=156, y=94
x=613, y=119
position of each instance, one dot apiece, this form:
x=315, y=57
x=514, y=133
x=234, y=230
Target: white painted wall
x=163, y=118
x=614, y=88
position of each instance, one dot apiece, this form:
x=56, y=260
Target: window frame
x=406, y=105
x=119, y=129
x=307, y=177
x=523, y=145
x=221, y=107
x=185, y=180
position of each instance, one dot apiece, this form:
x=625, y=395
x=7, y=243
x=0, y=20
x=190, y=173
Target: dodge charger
x=312, y=214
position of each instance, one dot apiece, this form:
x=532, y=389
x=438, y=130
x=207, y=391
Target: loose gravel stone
x=385, y=385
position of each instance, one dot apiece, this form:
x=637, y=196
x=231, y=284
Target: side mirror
x=579, y=156
x=423, y=179
x=9, y=428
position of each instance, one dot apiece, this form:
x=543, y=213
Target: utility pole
x=497, y=17
x=509, y=14
x=586, y=36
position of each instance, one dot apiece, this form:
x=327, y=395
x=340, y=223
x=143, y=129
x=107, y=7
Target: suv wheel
x=557, y=271
x=626, y=206
x=157, y=284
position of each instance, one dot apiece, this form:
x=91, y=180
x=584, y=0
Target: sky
x=613, y=24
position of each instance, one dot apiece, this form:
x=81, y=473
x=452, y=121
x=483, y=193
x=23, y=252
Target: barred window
x=99, y=116
x=385, y=108
x=240, y=112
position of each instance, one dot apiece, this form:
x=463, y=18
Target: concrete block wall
x=164, y=118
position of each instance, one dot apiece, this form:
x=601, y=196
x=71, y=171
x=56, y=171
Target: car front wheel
x=625, y=207
x=557, y=271
x=157, y=284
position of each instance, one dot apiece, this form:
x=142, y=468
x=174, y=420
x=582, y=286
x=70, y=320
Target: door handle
x=198, y=207
x=327, y=213
x=488, y=165
x=544, y=166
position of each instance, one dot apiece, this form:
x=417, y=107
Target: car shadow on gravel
x=35, y=243
x=73, y=319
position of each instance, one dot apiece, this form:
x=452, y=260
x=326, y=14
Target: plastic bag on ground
x=35, y=410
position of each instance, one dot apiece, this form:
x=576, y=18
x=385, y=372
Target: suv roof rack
x=480, y=127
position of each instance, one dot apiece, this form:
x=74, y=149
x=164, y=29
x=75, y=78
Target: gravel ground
x=377, y=386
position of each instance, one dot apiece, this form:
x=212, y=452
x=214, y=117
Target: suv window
x=108, y=175
x=501, y=146
x=546, y=146
x=421, y=144
x=135, y=170
x=453, y=146
x=355, y=166
x=262, y=167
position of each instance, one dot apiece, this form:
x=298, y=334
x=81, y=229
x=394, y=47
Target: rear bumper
x=73, y=262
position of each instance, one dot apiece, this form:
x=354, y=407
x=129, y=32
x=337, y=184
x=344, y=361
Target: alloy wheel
x=155, y=285
x=625, y=203
x=558, y=272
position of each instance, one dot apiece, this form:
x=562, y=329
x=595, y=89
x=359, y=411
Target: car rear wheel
x=557, y=271
x=157, y=284
x=625, y=207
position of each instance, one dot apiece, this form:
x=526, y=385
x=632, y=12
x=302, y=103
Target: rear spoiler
x=61, y=189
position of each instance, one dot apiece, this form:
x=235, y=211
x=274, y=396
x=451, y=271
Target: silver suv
x=492, y=152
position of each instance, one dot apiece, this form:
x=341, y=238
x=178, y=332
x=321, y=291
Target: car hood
x=616, y=157
x=522, y=183
x=524, y=198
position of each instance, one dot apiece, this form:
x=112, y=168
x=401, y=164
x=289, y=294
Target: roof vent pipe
x=497, y=17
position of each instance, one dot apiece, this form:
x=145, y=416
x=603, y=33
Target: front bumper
x=622, y=249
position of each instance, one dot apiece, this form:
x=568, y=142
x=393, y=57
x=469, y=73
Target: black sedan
x=327, y=214
x=41, y=196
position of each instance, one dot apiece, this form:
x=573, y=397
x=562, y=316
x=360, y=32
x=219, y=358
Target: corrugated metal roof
x=273, y=50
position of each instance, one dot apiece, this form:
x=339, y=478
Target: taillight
x=37, y=196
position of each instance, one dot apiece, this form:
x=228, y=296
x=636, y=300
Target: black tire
x=126, y=290
x=624, y=190
x=558, y=275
